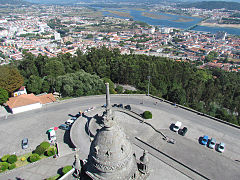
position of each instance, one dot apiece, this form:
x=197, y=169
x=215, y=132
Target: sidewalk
x=40, y=170
x=3, y=112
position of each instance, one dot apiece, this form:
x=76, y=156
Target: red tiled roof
x=27, y=99
x=46, y=98
x=22, y=100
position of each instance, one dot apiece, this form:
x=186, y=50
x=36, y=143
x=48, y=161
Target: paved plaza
x=183, y=160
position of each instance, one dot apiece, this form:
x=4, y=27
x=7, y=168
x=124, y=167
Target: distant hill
x=213, y=5
x=15, y=2
x=102, y=2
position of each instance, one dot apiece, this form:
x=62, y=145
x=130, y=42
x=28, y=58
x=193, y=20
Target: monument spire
x=108, y=113
x=108, y=105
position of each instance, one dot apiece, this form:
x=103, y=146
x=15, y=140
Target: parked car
x=64, y=127
x=183, y=131
x=115, y=105
x=69, y=122
x=25, y=143
x=221, y=147
x=212, y=143
x=177, y=126
x=120, y=105
x=73, y=118
x=204, y=140
x=128, y=107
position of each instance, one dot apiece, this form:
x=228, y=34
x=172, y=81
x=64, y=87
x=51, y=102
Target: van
x=177, y=126
x=52, y=135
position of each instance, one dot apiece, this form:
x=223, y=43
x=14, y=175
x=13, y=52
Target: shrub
x=39, y=150
x=54, y=177
x=3, y=166
x=66, y=169
x=12, y=166
x=34, y=157
x=45, y=145
x=51, y=151
x=12, y=159
x=119, y=89
x=147, y=115
x=5, y=157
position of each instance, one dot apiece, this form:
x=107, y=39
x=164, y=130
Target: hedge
x=34, y=157
x=3, y=166
x=66, y=169
x=147, y=115
x=5, y=157
x=39, y=150
x=51, y=151
x=12, y=166
x=12, y=159
x=45, y=145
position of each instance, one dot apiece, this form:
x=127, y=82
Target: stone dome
x=111, y=155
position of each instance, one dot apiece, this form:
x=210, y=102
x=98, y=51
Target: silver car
x=25, y=143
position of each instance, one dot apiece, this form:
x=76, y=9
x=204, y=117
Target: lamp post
x=149, y=77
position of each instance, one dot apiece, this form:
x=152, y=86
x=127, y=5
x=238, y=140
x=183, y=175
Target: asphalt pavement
x=34, y=124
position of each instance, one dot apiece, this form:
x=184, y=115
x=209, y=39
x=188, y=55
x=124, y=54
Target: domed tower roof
x=111, y=155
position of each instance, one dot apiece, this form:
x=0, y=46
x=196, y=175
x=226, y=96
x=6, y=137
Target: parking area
x=187, y=149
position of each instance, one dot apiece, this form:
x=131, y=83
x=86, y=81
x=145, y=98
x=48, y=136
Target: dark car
x=120, y=105
x=128, y=107
x=64, y=127
x=25, y=143
x=115, y=105
x=183, y=131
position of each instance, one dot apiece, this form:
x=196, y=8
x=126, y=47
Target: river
x=170, y=20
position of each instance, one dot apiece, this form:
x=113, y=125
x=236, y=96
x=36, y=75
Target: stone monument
x=111, y=155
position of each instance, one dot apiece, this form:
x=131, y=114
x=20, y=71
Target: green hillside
x=213, y=5
x=14, y=2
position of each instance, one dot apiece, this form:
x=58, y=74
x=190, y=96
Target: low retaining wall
x=194, y=111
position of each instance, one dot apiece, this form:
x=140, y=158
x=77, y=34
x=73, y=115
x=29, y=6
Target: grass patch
x=65, y=98
x=23, y=159
x=20, y=162
x=54, y=177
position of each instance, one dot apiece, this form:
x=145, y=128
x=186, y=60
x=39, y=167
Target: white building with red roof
x=26, y=102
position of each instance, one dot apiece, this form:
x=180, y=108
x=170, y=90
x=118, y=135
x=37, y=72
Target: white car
x=69, y=122
x=74, y=118
x=177, y=126
x=221, y=147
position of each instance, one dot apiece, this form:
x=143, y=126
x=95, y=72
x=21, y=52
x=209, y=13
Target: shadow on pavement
x=59, y=171
x=67, y=139
x=87, y=130
x=171, y=126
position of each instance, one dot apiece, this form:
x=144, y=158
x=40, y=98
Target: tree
x=119, y=89
x=111, y=85
x=10, y=79
x=45, y=86
x=34, y=84
x=3, y=96
x=54, y=68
